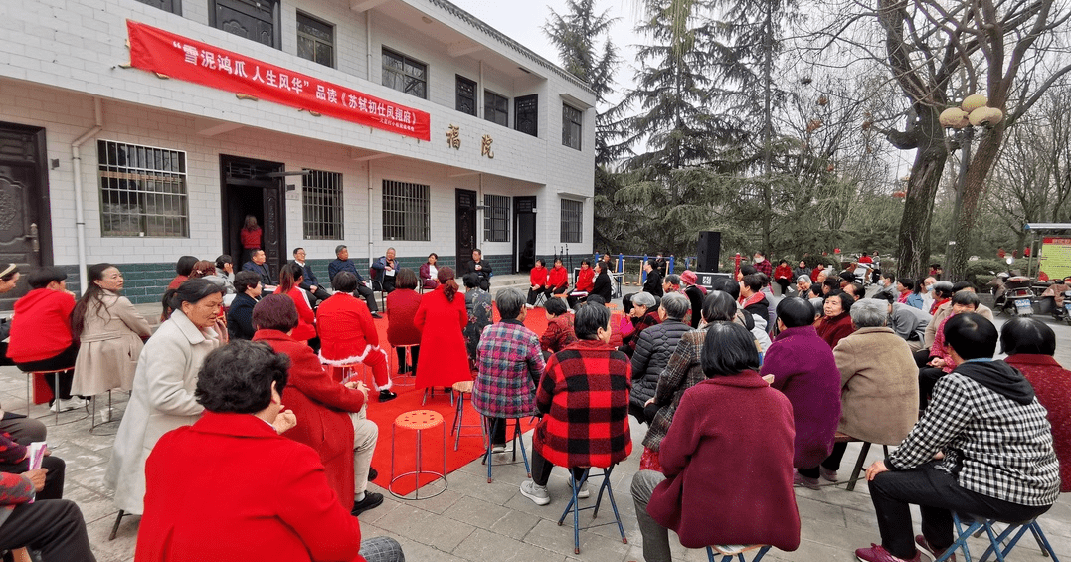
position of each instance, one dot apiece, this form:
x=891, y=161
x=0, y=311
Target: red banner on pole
x=156, y=50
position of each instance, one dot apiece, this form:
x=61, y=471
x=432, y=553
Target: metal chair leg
x=115, y=527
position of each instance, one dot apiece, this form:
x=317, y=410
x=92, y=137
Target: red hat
x=689, y=277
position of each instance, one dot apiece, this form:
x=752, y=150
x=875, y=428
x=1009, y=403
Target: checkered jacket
x=584, y=394
x=510, y=363
x=994, y=445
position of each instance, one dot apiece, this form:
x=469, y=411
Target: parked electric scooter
x=1016, y=297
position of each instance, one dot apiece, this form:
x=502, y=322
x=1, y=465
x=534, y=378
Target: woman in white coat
x=164, y=382
x=111, y=331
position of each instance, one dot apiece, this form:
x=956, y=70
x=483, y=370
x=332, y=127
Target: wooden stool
x=407, y=379
x=727, y=551
x=419, y=421
x=461, y=389
x=845, y=438
x=574, y=505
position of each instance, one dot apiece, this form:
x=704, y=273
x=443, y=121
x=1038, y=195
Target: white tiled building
x=119, y=164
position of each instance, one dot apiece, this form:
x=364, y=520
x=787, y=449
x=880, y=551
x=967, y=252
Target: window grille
x=404, y=74
x=496, y=218
x=315, y=40
x=496, y=108
x=142, y=191
x=321, y=205
x=526, y=114
x=406, y=211
x=465, y=94
x=572, y=126
x=572, y=221
x=173, y=6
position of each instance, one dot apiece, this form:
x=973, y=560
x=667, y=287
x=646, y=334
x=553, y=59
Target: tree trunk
x=930, y=157
x=977, y=171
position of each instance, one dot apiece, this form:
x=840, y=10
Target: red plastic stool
x=419, y=421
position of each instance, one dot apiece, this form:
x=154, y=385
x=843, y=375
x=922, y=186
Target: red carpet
x=470, y=446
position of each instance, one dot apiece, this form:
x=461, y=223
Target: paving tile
x=549, y=535
x=484, y=546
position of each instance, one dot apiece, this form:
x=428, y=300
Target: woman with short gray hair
x=642, y=316
x=653, y=348
x=870, y=313
x=510, y=363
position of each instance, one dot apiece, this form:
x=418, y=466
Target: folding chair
x=997, y=545
x=727, y=551
x=574, y=505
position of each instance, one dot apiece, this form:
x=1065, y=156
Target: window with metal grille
x=466, y=95
x=496, y=108
x=526, y=114
x=572, y=126
x=321, y=205
x=572, y=221
x=315, y=40
x=406, y=211
x=404, y=74
x=142, y=190
x=173, y=6
x=496, y=218
x=257, y=20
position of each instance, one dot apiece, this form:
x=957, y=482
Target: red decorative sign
x=156, y=50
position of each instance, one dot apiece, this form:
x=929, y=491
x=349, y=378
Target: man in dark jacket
x=655, y=345
x=342, y=263
x=248, y=287
x=481, y=267
x=308, y=277
x=752, y=299
x=653, y=284
x=258, y=264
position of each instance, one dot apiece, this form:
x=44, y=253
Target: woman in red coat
x=290, y=278
x=403, y=303
x=326, y=410
x=726, y=461
x=557, y=279
x=537, y=282
x=585, y=283
x=439, y=318
x=348, y=334
x=835, y=323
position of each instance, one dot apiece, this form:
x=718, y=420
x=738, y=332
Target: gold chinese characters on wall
x=485, y=146
x=453, y=138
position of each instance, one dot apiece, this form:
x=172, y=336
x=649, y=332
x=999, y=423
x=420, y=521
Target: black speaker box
x=709, y=251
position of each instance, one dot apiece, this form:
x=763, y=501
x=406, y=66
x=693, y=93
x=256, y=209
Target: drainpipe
x=79, y=195
x=370, y=227
x=368, y=42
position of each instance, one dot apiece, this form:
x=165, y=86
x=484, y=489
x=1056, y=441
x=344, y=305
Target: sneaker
x=377, y=315
x=805, y=481
x=529, y=306
x=921, y=541
x=502, y=449
x=73, y=403
x=877, y=553
x=534, y=492
x=828, y=474
x=583, y=492
x=386, y=396
x=371, y=500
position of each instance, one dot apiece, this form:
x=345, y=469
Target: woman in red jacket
x=41, y=338
x=348, y=334
x=557, y=279
x=585, y=283
x=403, y=303
x=290, y=278
x=330, y=415
x=835, y=323
x=784, y=276
x=439, y=318
x=537, y=281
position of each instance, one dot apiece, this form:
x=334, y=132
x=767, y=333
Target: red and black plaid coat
x=584, y=396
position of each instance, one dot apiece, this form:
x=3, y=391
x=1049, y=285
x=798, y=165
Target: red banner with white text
x=156, y=50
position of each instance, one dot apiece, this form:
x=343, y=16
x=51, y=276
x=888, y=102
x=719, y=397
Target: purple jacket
x=804, y=370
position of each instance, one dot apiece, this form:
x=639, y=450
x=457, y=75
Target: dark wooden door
x=524, y=233
x=252, y=187
x=253, y=19
x=466, y=227
x=25, y=227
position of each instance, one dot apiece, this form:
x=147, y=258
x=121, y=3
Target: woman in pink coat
x=443, y=360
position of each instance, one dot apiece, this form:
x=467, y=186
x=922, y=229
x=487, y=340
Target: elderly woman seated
x=584, y=396
x=983, y=448
x=248, y=493
x=348, y=334
x=653, y=348
x=642, y=315
x=836, y=320
x=941, y=361
x=879, y=383
x=559, y=332
x=702, y=492
x=332, y=414
x=510, y=364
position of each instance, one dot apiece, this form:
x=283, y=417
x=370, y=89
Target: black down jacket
x=653, y=349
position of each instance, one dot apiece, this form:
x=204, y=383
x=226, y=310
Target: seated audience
x=701, y=492
x=205, y=269
x=429, y=272
x=983, y=448
x=290, y=285
x=752, y=299
x=836, y=320
x=888, y=286
x=942, y=294
x=603, y=286
x=384, y=270
x=643, y=315
x=276, y=504
x=907, y=321
x=403, y=303
x=41, y=338
x=240, y=315
x=53, y=527
x=584, y=398
x=557, y=279
x=258, y=264
x=559, y=332
x=342, y=263
x=804, y=370
x=585, y=283
x=653, y=349
x=879, y=383
x=510, y=363
x=348, y=335
x=671, y=284
x=694, y=294
x=164, y=382
x=537, y=282
x=1030, y=345
x=309, y=282
x=332, y=415
x=941, y=361
x=754, y=323
x=944, y=310
x=783, y=276
x=183, y=268
x=225, y=268
x=481, y=268
x=478, y=310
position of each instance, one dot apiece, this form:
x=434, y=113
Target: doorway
x=524, y=229
x=25, y=217
x=466, y=227
x=253, y=187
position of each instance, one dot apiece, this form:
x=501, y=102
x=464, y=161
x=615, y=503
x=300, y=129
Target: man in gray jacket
x=907, y=321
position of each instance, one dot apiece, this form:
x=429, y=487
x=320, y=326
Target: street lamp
x=962, y=121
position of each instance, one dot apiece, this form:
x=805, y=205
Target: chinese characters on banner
x=156, y=50
x=1055, y=257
